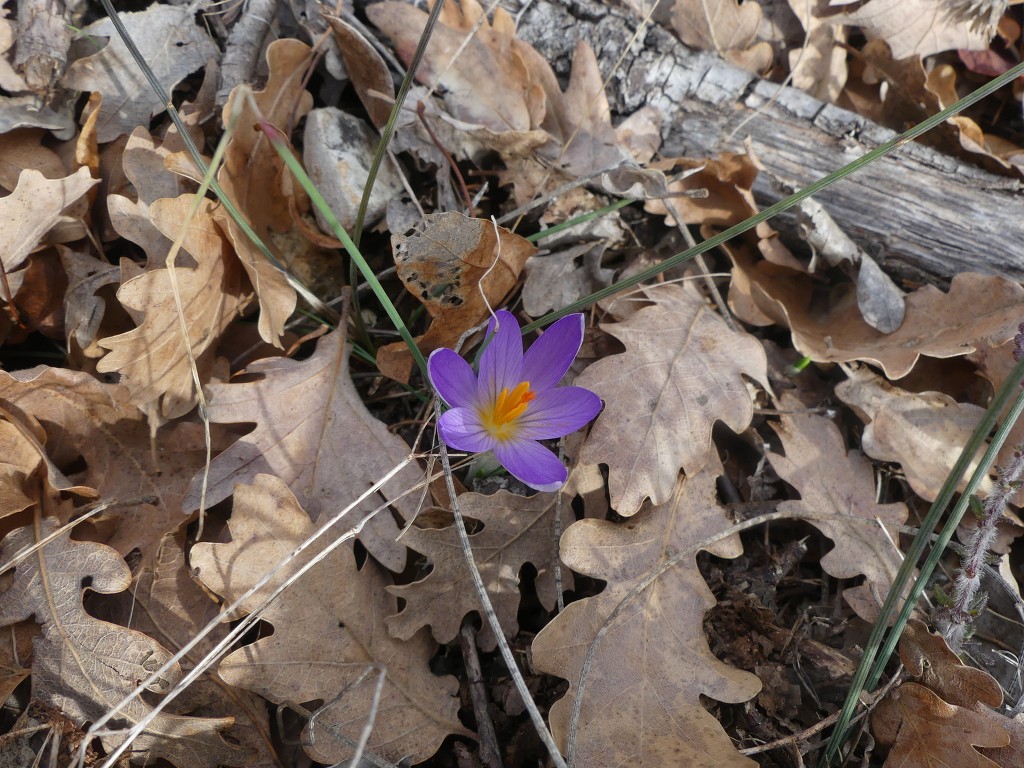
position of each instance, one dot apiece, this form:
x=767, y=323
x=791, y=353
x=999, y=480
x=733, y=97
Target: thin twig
x=490, y=753
x=478, y=583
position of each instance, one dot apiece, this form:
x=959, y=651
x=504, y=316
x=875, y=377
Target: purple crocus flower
x=515, y=402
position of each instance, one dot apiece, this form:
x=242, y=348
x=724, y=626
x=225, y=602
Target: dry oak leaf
x=168, y=605
x=86, y=419
x=812, y=443
x=515, y=531
x=314, y=432
x=977, y=309
x=724, y=26
x=251, y=176
x=37, y=206
x=819, y=66
x=927, y=732
x=681, y=372
x=328, y=631
x=924, y=432
x=83, y=666
x=928, y=658
x=174, y=47
x=450, y=263
x=641, y=701
x=915, y=27
x=488, y=84
x=153, y=359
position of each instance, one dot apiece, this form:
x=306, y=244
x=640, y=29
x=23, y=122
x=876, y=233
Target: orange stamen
x=500, y=420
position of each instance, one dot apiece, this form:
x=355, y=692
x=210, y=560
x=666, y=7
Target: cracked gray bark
x=921, y=211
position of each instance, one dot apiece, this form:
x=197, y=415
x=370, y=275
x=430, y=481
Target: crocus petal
x=532, y=463
x=452, y=377
x=460, y=428
x=502, y=361
x=558, y=412
x=550, y=356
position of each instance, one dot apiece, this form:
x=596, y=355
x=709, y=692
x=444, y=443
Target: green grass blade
x=873, y=662
x=283, y=149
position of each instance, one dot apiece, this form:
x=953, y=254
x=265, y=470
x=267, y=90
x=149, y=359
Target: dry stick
x=490, y=752
x=478, y=583
x=588, y=659
x=243, y=626
x=793, y=738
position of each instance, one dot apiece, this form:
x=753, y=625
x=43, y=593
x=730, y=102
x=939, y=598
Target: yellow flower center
x=500, y=419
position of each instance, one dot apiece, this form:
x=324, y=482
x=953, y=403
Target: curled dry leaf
x=450, y=263
x=692, y=368
x=924, y=432
x=929, y=659
x=314, y=432
x=515, y=531
x=925, y=731
x=174, y=47
x=648, y=711
x=328, y=631
x=978, y=309
x=153, y=359
x=812, y=442
x=726, y=27
x=251, y=177
x=83, y=666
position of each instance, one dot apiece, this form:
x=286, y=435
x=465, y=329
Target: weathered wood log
x=917, y=209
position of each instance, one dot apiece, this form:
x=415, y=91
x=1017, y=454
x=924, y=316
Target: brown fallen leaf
x=910, y=27
x=36, y=207
x=450, y=263
x=925, y=731
x=488, y=84
x=314, y=432
x=726, y=27
x=251, y=176
x=23, y=149
x=153, y=359
x=692, y=368
x=516, y=531
x=812, y=442
x=83, y=666
x=174, y=46
x=555, y=280
x=977, y=309
x=167, y=604
x=366, y=68
x=929, y=659
x=818, y=66
x=648, y=709
x=996, y=153
x=328, y=631
x=86, y=419
x=923, y=432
